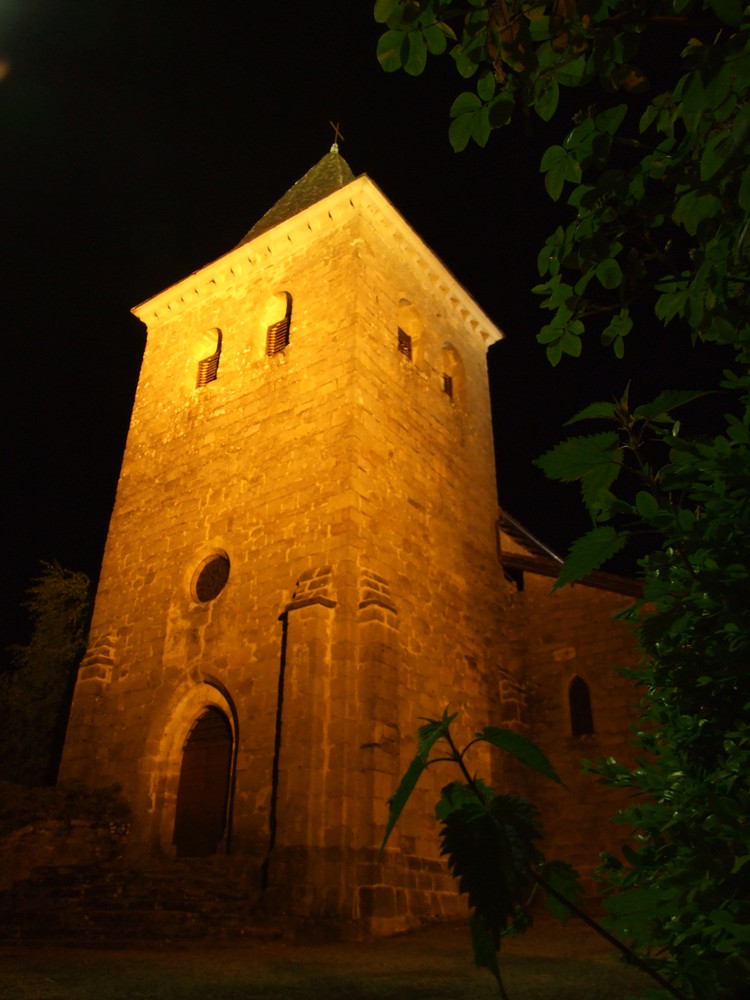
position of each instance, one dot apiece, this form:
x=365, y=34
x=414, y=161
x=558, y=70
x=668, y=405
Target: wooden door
x=203, y=789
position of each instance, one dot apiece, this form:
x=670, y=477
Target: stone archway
x=203, y=787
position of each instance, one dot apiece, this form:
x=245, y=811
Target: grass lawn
x=435, y=964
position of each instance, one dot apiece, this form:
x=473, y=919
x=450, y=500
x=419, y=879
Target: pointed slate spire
x=328, y=175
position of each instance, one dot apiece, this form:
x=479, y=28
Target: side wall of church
x=564, y=636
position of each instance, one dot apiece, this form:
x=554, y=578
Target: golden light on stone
x=302, y=564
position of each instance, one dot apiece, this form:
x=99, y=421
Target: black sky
x=141, y=140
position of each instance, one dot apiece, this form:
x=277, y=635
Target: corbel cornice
x=298, y=233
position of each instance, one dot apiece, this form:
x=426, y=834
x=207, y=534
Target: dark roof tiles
x=329, y=174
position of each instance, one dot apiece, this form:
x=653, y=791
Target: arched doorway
x=203, y=789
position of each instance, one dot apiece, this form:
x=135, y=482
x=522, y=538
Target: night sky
x=141, y=139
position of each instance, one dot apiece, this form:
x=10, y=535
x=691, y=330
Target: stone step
x=107, y=904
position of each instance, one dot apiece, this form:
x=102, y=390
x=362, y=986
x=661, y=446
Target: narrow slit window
x=208, y=368
x=404, y=344
x=448, y=385
x=581, y=718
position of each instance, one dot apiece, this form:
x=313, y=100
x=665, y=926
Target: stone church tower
x=302, y=562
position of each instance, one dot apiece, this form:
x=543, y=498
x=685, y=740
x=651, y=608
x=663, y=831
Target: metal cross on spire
x=336, y=136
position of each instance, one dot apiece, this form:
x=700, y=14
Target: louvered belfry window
x=277, y=336
x=208, y=368
x=277, y=332
x=404, y=344
x=448, y=385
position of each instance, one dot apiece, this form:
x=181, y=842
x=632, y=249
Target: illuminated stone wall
x=565, y=638
x=351, y=488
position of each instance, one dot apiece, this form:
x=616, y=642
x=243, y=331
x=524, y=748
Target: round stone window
x=210, y=577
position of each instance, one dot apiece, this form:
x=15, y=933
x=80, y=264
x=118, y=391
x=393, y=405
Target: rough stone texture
x=355, y=501
x=73, y=843
x=559, y=637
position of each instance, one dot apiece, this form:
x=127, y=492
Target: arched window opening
x=581, y=719
x=278, y=319
x=404, y=344
x=410, y=329
x=454, y=375
x=208, y=367
x=203, y=789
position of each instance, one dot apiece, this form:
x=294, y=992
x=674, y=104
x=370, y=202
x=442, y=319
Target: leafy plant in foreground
x=489, y=841
x=656, y=181
x=684, y=889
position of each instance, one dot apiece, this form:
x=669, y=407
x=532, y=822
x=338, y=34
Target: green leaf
x=435, y=38
x=401, y=796
x=500, y=110
x=685, y=519
x=609, y=121
x=646, y=505
x=464, y=103
x=427, y=737
x=465, y=63
x=554, y=353
x=546, y=98
x=384, y=9
x=486, y=85
x=490, y=850
x=480, y=129
x=572, y=459
x=554, y=181
x=594, y=411
x=460, y=131
x=667, y=401
x=609, y=273
x=431, y=732
x=539, y=29
x=648, y=117
x=521, y=748
x=571, y=340
x=728, y=11
x=393, y=50
x=552, y=156
x=692, y=208
x=598, y=480
x=715, y=154
x=417, y=58
x=618, y=327
x=447, y=30
x=637, y=906
x=573, y=73
x=589, y=553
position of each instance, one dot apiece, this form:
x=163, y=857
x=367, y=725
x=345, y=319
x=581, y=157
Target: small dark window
x=211, y=578
x=448, y=385
x=208, y=368
x=404, y=344
x=581, y=719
